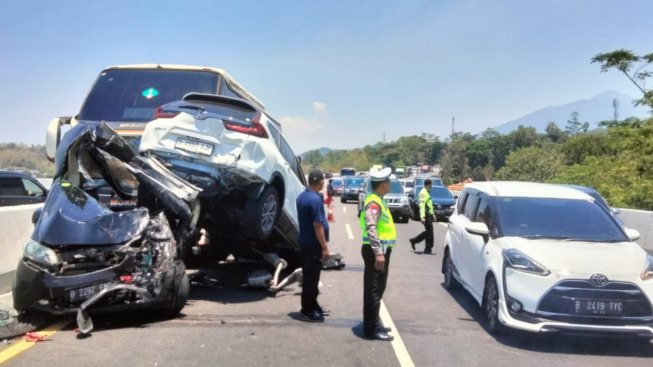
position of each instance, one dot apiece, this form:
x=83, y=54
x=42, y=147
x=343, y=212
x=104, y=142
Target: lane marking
x=344, y=209
x=349, y=233
x=23, y=345
x=397, y=344
x=444, y=224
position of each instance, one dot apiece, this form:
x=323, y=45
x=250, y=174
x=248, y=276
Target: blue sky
x=335, y=73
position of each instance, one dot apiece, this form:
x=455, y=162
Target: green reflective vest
x=385, y=227
x=425, y=202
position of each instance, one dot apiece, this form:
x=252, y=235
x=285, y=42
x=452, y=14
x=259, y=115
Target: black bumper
x=400, y=210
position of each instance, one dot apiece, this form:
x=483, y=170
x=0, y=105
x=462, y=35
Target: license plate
x=84, y=293
x=599, y=308
x=194, y=146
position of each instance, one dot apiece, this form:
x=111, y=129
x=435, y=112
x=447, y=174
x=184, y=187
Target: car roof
x=527, y=189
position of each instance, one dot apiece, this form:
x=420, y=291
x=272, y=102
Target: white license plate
x=194, y=146
x=593, y=307
x=85, y=293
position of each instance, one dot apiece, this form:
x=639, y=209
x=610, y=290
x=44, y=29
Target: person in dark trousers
x=379, y=237
x=426, y=215
x=313, y=238
x=330, y=190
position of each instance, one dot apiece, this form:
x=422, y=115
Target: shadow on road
x=555, y=343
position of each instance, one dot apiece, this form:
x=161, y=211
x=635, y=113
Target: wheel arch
x=277, y=181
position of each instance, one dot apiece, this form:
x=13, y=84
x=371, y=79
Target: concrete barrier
x=15, y=229
x=642, y=221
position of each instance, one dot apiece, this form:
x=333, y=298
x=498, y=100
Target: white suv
x=548, y=258
x=235, y=152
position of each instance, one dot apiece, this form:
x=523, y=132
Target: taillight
x=159, y=114
x=255, y=128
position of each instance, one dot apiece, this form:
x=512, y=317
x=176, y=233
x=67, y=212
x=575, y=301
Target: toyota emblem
x=599, y=280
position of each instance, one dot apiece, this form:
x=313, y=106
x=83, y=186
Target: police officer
x=426, y=215
x=379, y=238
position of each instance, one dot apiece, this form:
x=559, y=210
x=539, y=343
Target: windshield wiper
x=542, y=237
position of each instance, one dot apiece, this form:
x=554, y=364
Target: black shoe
x=380, y=335
x=313, y=316
x=429, y=252
x=412, y=244
x=385, y=329
x=324, y=311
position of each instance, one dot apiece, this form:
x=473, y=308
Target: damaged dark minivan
x=86, y=256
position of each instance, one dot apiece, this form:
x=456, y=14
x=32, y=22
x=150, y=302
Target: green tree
x=532, y=164
x=574, y=126
x=625, y=61
x=555, y=133
x=313, y=159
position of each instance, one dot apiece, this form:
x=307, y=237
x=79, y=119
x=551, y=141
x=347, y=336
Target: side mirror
x=633, y=234
x=36, y=215
x=616, y=211
x=53, y=135
x=478, y=229
x=455, y=197
x=410, y=194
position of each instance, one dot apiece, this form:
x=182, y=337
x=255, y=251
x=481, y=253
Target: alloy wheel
x=269, y=213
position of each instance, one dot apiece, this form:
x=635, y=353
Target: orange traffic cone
x=330, y=215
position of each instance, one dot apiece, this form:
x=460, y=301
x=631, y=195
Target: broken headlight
x=40, y=254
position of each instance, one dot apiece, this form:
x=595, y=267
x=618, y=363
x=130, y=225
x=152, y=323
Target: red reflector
x=255, y=129
x=159, y=114
x=127, y=279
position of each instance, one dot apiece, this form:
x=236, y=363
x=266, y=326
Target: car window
x=130, y=95
x=226, y=91
x=470, y=206
x=440, y=192
x=275, y=134
x=12, y=186
x=396, y=188
x=289, y=156
x=354, y=182
x=409, y=184
x=484, y=214
x=32, y=188
x=337, y=183
x=461, y=202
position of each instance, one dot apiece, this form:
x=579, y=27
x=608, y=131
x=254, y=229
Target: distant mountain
x=591, y=110
x=323, y=151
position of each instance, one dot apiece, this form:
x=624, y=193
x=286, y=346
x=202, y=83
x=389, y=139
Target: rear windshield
x=347, y=172
x=124, y=95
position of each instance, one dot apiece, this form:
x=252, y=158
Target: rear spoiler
x=205, y=97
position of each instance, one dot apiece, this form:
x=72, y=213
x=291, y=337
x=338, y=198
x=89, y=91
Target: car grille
x=559, y=303
x=393, y=201
x=444, y=207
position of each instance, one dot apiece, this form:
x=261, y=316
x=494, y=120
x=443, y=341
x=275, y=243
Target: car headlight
x=41, y=254
x=518, y=261
x=647, y=273
x=404, y=200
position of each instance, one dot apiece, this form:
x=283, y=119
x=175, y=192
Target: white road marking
x=397, y=344
x=351, y=235
x=444, y=224
x=344, y=209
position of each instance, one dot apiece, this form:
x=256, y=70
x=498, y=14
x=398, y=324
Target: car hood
x=443, y=201
x=394, y=195
x=583, y=257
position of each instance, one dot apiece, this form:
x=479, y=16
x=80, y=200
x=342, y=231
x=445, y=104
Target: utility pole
x=384, y=137
x=453, y=121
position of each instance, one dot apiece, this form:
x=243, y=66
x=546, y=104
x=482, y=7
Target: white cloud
x=303, y=132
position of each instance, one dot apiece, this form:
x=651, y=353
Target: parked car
x=84, y=257
x=249, y=175
x=352, y=187
x=337, y=186
x=348, y=171
x=547, y=258
x=600, y=200
x=18, y=188
x=443, y=202
x=408, y=185
x=399, y=204
x=418, y=184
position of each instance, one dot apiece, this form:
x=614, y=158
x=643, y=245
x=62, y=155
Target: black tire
x=261, y=214
x=491, y=306
x=450, y=281
x=404, y=219
x=343, y=200
x=182, y=292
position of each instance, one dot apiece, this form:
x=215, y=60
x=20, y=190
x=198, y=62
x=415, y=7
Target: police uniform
x=426, y=214
x=379, y=237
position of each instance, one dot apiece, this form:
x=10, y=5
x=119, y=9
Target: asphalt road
x=232, y=326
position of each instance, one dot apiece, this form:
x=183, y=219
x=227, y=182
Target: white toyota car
x=548, y=258
x=234, y=152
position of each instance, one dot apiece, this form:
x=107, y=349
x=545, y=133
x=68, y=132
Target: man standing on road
x=426, y=215
x=379, y=237
x=313, y=238
x=330, y=190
